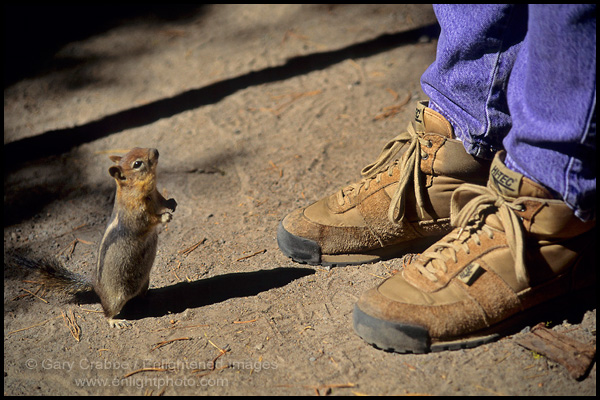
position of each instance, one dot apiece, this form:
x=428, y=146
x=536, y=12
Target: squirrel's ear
x=115, y=159
x=116, y=172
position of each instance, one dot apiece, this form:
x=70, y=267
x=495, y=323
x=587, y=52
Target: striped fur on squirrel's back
x=54, y=275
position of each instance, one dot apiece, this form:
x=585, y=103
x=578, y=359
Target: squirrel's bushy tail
x=54, y=275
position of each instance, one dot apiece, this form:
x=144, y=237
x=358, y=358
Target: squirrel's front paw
x=165, y=217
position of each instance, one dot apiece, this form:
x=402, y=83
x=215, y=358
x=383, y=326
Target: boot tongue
x=511, y=184
x=430, y=121
x=503, y=180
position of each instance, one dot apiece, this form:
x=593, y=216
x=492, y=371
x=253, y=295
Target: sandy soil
x=256, y=111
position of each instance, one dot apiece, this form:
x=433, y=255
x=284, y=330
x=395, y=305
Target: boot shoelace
x=470, y=223
x=410, y=163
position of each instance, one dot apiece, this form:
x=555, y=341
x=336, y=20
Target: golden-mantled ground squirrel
x=128, y=248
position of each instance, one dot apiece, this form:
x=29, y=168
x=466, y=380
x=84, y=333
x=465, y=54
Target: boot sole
x=405, y=338
x=306, y=251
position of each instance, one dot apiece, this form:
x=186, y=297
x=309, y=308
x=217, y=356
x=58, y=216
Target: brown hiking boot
x=515, y=252
x=402, y=203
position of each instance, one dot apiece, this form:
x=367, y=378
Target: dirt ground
x=256, y=110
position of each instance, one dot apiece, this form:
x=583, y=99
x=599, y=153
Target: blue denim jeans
x=523, y=78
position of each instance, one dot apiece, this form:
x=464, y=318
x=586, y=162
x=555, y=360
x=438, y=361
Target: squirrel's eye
x=137, y=164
